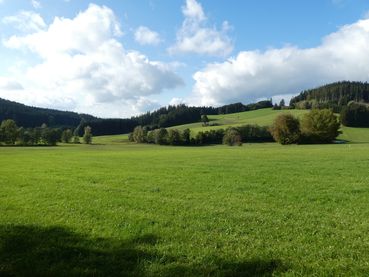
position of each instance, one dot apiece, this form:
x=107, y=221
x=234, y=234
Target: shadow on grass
x=55, y=251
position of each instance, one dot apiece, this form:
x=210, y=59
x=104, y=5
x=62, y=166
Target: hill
x=30, y=117
x=335, y=96
x=263, y=117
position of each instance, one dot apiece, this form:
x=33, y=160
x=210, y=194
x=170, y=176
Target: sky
x=122, y=58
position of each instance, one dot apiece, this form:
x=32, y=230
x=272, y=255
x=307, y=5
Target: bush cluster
x=231, y=136
x=317, y=126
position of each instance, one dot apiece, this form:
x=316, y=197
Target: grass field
x=263, y=117
x=120, y=209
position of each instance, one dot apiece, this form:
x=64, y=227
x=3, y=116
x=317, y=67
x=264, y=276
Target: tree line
x=229, y=136
x=317, y=126
x=31, y=117
x=165, y=117
x=333, y=96
x=11, y=134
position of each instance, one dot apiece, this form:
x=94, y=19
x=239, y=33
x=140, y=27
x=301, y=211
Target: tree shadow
x=56, y=251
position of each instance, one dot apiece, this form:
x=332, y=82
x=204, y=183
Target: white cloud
x=85, y=68
x=9, y=84
x=195, y=36
x=36, y=4
x=26, y=21
x=193, y=10
x=145, y=36
x=342, y=55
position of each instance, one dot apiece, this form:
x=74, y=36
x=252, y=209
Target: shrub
x=161, y=136
x=232, y=137
x=286, y=129
x=76, y=140
x=139, y=135
x=67, y=136
x=87, y=137
x=174, y=137
x=8, y=131
x=319, y=126
x=255, y=133
x=186, y=136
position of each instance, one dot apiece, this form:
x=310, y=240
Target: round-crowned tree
x=232, y=137
x=320, y=126
x=286, y=129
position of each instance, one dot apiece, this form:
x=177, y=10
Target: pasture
x=120, y=209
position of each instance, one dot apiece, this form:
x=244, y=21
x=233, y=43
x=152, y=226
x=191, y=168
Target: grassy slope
x=261, y=117
x=149, y=210
x=265, y=117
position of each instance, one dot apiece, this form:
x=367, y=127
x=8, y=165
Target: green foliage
x=50, y=136
x=186, y=136
x=286, y=129
x=31, y=117
x=139, y=135
x=355, y=115
x=332, y=96
x=67, y=136
x=87, y=137
x=319, y=126
x=205, y=120
x=76, y=140
x=174, y=137
x=254, y=133
x=232, y=137
x=8, y=131
x=161, y=136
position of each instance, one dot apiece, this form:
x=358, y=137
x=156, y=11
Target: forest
x=334, y=96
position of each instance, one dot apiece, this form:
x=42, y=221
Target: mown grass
x=143, y=210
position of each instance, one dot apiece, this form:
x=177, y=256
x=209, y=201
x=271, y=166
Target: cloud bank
x=252, y=75
x=85, y=68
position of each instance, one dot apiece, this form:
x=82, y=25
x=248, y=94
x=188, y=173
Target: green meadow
x=119, y=209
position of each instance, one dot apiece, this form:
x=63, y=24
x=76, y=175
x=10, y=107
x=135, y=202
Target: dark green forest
x=333, y=96
x=31, y=117
x=350, y=99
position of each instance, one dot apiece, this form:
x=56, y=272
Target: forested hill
x=30, y=117
x=335, y=95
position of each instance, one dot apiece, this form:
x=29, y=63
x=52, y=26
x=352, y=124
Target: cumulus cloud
x=145, y=36
x=26, y=21
x=36, y=4
x=85, y=68
x=195, y=36
x=250, y=75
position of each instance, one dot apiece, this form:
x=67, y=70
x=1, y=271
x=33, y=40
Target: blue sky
x=119, y=58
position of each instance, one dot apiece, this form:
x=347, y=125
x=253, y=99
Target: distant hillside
x=335, y=96
x=30, y=117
